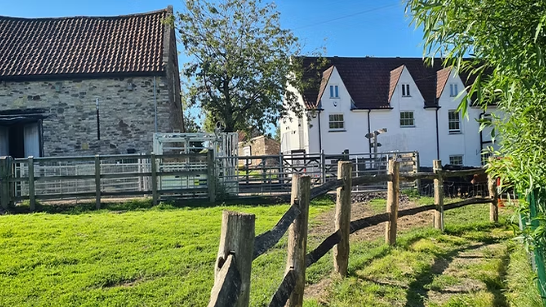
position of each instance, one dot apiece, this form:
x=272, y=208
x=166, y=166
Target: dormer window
x=405, y=90
x=453, y=90
x=334, y=91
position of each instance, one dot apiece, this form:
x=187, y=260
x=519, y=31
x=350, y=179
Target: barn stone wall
x=126, y=109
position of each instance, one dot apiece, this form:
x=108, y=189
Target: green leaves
x=241, y=62
x=507, y=39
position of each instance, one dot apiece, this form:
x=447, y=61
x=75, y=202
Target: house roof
x=54, y=47
x=371, y=81
x=395, y=76
x=441, y=80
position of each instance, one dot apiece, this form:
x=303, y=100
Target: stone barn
x=87, y=85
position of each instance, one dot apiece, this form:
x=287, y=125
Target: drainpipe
x=319, y=132
x=155, y=106
x=481, y=135
x=369, y=131
x=98, y=119
x=437, y=136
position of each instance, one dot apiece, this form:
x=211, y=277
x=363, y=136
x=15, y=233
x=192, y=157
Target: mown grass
x=117, y=257
x=133, y=254
x=430, y=268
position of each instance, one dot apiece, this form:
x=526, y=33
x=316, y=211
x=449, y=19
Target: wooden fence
x=239, y=246
x=180, y=169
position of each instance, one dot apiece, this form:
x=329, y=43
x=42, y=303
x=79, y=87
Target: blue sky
x=346, y=28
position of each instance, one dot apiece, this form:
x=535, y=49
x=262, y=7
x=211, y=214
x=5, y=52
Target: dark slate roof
x=370, y=80
x=53, y=47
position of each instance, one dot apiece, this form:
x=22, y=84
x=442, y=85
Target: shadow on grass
x=146, y=204
x=417, y=291
x=404, y=242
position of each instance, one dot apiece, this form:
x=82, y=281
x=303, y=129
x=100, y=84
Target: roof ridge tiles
x=165, y=10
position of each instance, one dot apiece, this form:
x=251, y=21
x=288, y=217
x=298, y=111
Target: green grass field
x=164, y=256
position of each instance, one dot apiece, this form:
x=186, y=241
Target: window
x=405, y=90
x=336, y=122
x=406, y=119
x=334, y=92
x=454, y=122
x=247, y=151
x=456, y=160
x=453, y=90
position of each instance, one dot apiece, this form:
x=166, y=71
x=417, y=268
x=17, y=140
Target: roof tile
x=81, y=45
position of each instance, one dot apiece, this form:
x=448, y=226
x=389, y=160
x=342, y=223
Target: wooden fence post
x=493, y=194
x=438, y=195
x=31, y=189
x=5, y=176
x=297, y=237
x=211, y=177
x=155, y=196
x=393, y=191
x=237, y=239
x=97, y=182
x=416, y=167
x=343, y=218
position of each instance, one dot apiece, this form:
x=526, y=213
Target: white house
x=415, y=102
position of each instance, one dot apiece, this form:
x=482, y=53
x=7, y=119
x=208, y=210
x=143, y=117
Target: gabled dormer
x=403, y=91
x=333, y=95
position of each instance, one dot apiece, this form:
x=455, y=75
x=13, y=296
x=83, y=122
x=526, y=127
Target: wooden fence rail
x=295, y=220
x=32, y=172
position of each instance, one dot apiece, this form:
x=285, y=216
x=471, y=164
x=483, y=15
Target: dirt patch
x=325, y=222
x=324, y=226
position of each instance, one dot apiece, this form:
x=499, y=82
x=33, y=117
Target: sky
x=354, y=28
x=345, y=27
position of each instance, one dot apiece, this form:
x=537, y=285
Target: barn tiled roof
x=39, y=47
x=371, y=81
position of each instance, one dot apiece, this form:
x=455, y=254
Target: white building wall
x=421, y=138
x=356, y=125
x=467, y=142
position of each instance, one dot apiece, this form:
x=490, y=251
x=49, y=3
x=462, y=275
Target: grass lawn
x=164, y=256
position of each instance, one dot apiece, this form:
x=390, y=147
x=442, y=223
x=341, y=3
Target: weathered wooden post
x=297, y=237
x=393, y=191
x=438, y=195
x=211, y=176
x=153, y=164
x=416, y=167
x=31, y=189
x=97, y=182
x=343, y=218
x=5, y=176
x=494, y=195
x=235, y=249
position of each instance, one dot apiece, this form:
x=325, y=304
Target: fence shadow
x=73, y=207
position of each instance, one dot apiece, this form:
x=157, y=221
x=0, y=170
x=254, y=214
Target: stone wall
x=260, y=146
x=126, y=108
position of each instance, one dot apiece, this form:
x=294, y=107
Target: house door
x=31, y=135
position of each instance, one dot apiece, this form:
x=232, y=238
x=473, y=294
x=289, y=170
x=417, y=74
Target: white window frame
x=452, y=120
x=453, y=91
x=334, y=91
x=342, y=121
x=406, y=90
x=412, y=118
x=451, y=157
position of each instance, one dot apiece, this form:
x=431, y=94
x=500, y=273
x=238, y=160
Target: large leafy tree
x=243, y=63
x=506, y=40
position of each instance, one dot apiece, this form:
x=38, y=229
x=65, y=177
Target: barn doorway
x=21, y=133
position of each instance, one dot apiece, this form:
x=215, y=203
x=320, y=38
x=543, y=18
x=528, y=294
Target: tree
x=506, y=41
x=243, y=62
